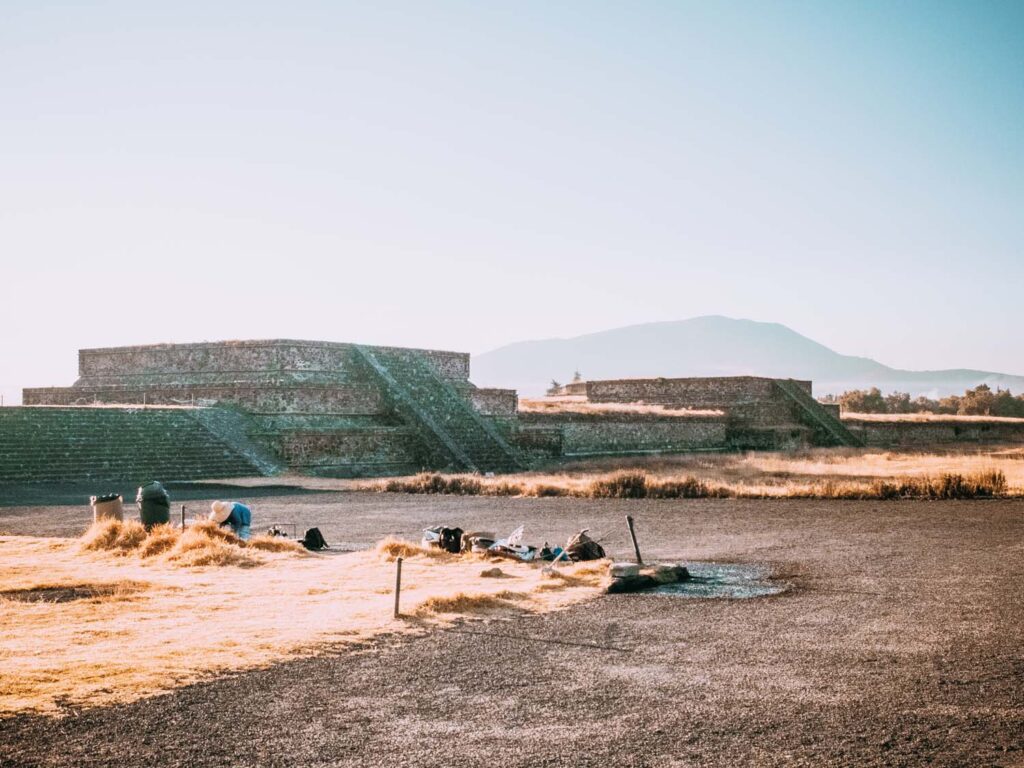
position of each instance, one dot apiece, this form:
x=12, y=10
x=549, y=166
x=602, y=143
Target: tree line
x=980, y=401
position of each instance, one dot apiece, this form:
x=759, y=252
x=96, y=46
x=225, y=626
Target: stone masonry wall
x=924, y=433
x=593, y=434
x=689, y=393
x=495, y=402
x=356, y=399
x=749, y=400
x=176, y=360
x=630, y=437
x=354, y=452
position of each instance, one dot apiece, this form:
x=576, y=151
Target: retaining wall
x=170, y=360
x=365, y=452
x=592, y=434
x=340, y=399
x=494, y=402
x=714, y=392
x=925, y=433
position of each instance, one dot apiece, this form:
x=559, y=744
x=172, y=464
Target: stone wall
x=341, y=399
x=374, y=451
x=574, y=434
x=717, y=392
x=902, y=433
x=746, y=400
x=172, y=361
x=495, y=402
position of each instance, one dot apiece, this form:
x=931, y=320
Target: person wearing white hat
x=234, y=514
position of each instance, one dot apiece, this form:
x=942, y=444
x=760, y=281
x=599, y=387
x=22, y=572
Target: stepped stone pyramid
x=318, y=407
x=244, y=408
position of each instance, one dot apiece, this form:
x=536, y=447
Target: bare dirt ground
x=899, y=643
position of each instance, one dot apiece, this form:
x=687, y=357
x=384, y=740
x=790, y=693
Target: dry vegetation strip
x=634, y=484
x=822, y=473
x=121, y=614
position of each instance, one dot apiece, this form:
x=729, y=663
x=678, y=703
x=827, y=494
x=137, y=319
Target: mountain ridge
x=712, y=345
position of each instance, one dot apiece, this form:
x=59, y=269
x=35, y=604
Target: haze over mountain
x=712, y=346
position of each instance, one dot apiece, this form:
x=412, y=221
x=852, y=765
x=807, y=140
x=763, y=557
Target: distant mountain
x=712, y=346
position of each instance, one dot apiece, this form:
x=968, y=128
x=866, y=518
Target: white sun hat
x=221, y=510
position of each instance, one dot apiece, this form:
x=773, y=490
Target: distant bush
x=980, y=401
x=433, y=482
x=624, y=485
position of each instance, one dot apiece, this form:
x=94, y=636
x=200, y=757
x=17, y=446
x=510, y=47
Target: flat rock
x=669, y=573
x=623, y=570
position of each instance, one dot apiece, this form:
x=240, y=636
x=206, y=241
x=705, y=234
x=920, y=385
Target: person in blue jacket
x=234, y=514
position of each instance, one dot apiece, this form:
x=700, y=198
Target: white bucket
x=108, y=509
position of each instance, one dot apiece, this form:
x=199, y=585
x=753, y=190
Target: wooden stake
x=398, y=585
x=183, y=517
x=632, y=535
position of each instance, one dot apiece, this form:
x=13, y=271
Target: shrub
x=687, y=488
x=434, y=482
x=622, y=485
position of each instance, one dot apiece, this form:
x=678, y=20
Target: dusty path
x=900, y=643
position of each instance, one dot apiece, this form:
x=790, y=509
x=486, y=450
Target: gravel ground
x=898, y=643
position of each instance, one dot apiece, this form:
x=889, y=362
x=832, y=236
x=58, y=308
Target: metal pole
x=183, y=517
x=398, y=585
x=632, y=535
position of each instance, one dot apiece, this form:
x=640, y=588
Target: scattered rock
x=492, y=573
x=623, y=570
x=631, y=584
x=628, y=577
x=669, y=573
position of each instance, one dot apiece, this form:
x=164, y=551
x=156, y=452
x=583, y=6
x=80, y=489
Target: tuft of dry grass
x=203, y=543
x=434, y=482
x=470, y=603
x=266, y=543
x=114, y=536
x=197, y=548
x=391, y=548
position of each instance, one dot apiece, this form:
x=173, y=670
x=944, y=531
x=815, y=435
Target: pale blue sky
x=463, y=175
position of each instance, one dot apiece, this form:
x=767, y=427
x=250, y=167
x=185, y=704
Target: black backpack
x=451, y=540
x=314, y=541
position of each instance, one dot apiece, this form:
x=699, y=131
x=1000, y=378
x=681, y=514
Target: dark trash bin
x=154, y=504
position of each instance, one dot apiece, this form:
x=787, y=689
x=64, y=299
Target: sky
x=462, y=175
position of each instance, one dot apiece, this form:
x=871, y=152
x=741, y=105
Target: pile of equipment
x=456, y=540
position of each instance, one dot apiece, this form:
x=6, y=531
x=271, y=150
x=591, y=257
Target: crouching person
x=234, y=514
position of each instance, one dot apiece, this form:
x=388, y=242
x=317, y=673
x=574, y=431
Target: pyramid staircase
x=459, y=438
x=814, y=415
x=40, y=444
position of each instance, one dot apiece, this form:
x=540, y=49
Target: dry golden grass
x=470, y=603
x=835, y=473
x=201, y=544
x=574, y=404
x=392, y=548
x=97, y=621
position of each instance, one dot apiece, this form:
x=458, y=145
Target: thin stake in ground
x=398, y=584
x=632, y=535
